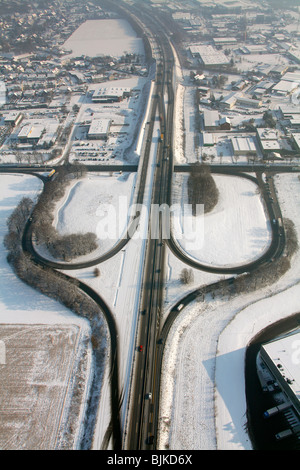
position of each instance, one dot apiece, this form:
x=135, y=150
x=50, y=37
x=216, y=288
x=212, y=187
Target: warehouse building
x=296, y=139
x=285, y=87
x=210, y=119
x=225, y=41
x=40, y=132
x=282, y=358
x=30, y=133
x=243, y=146
x=99, y=129
x=110, y=94
x=13, y=118
x=208, y=55
x=268, y=140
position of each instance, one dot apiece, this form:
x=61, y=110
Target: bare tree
x=186, y=276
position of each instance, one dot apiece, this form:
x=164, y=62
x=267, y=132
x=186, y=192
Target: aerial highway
x=143, y=413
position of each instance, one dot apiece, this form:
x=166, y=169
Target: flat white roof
x=211, y=118
x=111, y=91
x=225, y=40
x=297, y=139
x=270, y=145
x=243, y=144
x=99, y=127
x=285, y=352
x=267, y=134
x=285, y=86
x=292, y=77
x=209, y=55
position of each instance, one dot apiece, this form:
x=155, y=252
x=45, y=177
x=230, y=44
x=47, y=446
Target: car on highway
x=141, y=348
x=149, y=395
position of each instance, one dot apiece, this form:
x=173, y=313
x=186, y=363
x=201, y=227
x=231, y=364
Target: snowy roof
x=211, y=118
x=286, y=353
x=296, y=138
x=99, y=127
x=285, y=86
x=209, y=55
x=267, y=134
x=243, y=144
x=111, y=91
x=292, y=76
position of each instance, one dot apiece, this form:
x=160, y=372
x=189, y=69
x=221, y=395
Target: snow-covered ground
x=203, y=401
x=233, y=233
x=39, y=327
x=111, y=37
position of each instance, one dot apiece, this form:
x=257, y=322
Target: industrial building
x=210, y=119
x=99, y=129
x=248, y=102
x=285, y=87
x=30, y=133
x=13, y=118
x=243, y=145
x=110, y=94
x=208, y=55
x=278, y=367
x=296, y=139
x=38, y=132
x=268, y=140
x=208, y=139
x=225, y=41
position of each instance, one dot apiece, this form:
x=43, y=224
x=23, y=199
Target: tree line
x=202, y=188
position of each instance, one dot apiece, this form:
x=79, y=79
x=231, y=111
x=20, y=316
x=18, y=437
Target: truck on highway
x=276, y=409
x=283, y=434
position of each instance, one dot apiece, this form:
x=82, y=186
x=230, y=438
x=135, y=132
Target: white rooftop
x=286, y=353
x=99, y=127
x=267, y=134
x=209, y=55
x=243, y=144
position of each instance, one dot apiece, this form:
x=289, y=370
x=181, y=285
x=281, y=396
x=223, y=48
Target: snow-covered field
x=99, y=204
x=104, y=37
x=44, y=344
x=234, y=232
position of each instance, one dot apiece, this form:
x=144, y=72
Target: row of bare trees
x=15, y=224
